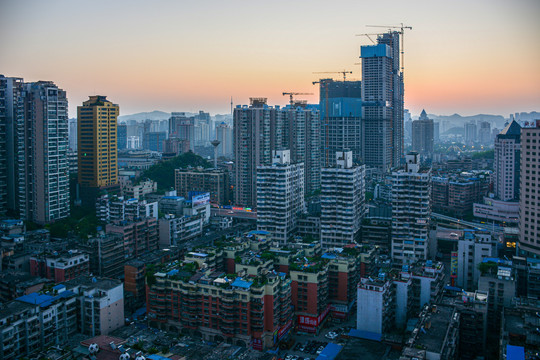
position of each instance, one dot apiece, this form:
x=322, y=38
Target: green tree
x=163, y=172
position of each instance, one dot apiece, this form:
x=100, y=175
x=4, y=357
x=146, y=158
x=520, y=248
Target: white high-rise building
x=342, y=201
x=411, y=211
x=224, y=134
x=253, y=141
x=280, y=196
x=507, y=152
x=473, y=248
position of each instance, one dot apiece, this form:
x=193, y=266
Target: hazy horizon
x=460, y=57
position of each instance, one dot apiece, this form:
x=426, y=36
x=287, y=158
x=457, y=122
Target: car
x=331, y=335
x=320, y=349
x=289, y=357
x=297, y=346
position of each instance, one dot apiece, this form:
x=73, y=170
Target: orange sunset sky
x=466, y=57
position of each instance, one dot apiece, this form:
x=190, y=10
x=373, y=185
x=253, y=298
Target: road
x=474, y=225
x=238, y=214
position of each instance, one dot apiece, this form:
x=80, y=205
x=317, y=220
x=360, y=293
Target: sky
x=461, y=56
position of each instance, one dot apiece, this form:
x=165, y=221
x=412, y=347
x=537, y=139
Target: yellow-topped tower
x=96, y=145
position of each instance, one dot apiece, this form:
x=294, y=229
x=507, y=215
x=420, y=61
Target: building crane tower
x=291, y=94
x=402, y=32
x=344, y=73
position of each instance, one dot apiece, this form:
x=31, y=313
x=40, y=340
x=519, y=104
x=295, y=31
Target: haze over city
x=460, y=57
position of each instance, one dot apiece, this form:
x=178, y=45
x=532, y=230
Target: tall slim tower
x=422, y=136
x=280, y=196
x=342, y=201
x=377, y=108
x=43, y=167
x=97, y=147
x=341, y=119
x=382, y=95
x=253, y=142
x=392, y=40
x=507, y=157
x=299, y=129
x=11, y=123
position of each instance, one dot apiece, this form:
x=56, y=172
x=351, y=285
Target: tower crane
x=402, y=32
x=344, y=72
x=291, y=94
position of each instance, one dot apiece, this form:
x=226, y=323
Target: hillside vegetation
x=163, y=172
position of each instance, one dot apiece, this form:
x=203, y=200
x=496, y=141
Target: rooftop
x=432, y=332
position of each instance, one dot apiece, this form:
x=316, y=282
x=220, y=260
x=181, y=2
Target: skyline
x=190, y=58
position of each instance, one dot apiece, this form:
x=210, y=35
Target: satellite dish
x=140, y=357
x=123, y=356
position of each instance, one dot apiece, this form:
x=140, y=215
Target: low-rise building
x=100, y=304
x=139, y=236
x=139, y=190
x=376, y=303
x=175, y=231
x=250, y=310
x=214, y=181
x=60, y=266
x=472, y=248
x=497, y=210
x=435, y=336
x=106, y=254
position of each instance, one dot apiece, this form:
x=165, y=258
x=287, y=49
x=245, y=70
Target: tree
x=163, y=172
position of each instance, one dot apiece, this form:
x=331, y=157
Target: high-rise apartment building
x=34, y=169
x=224, y=133
x=507, y=157
x=121, y=135
x=11, y=149
x=154, y=141
x=377, y=108
x=411, y=211
x=43, y=170
x=422, y=136
x=280, y=196
x=72, y=134
x=182, y=127
x=392, y=40
x=342, y=201
x=340, y=125
x=382, y=96
x=299, y=128
x=253, y=142
x=529, y=203
x=484, y=133
x=470, y=133
x=97, y=148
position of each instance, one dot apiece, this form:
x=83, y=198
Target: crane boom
x=402, y=32
x=344, y=73
x=291, y=94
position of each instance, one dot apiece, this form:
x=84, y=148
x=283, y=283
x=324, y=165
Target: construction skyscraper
x=382, y=96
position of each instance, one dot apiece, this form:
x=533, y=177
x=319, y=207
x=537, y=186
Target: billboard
x=201, y=199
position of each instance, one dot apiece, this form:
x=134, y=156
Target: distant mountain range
x=152, y=115
x=496, y=120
